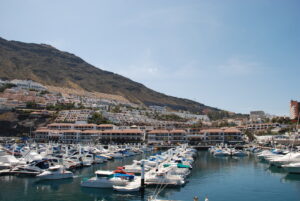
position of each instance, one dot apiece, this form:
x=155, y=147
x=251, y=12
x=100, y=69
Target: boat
x=292, y=168
x=285, y=159
x=221, y=152
x=55, y=172
x=106, y=179
x=34, y=168
x=132, y=186
x=87, y=160
x=163, y=177
x=9, y=161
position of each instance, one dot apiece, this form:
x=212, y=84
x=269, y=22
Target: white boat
x=116, y=155
x=268, y=155
x=292, y=167
x=238, y=153
x=221, y=152
x=163, y=177
x=33, y=168
x=104, y=179
x=76, y=160
x=135, y=168
x=99, y=159
x=87, y=160
x=9, y=161
x=55, y=172
x=285, y=159
x=132, y=186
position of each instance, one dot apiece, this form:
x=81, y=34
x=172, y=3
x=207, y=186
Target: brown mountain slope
x=49, y=66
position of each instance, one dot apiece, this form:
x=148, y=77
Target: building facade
x=111, y=134
x=175, y=136
x=294, y=110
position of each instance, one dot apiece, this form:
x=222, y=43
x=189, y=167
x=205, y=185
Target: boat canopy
x=124, y=175
x=182, y=166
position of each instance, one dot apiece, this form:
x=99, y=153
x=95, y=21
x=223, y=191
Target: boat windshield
x=102, y=175
x=53, y=169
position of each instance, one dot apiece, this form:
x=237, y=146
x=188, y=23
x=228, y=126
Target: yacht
x=106, y=179
x=87, y=160
x=55, y=172
x=131, y=186
x=9, y=161
x=286, y=159
x=221, y=152
x=34, y=168
x=292, y=167
x=163, y=177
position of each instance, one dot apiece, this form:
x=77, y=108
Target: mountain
x=47, y=65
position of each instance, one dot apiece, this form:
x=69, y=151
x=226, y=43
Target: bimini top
x=124, y=175
x=103, y=172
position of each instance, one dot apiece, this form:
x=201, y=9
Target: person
x=206, y=198
x=196, y=198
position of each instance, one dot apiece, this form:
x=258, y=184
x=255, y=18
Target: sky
x=235, y=55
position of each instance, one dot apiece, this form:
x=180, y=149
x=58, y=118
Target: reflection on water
x=222, y=179
x=49, y=184
x=293, y=178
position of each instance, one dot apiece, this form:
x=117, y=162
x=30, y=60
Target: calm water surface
x=222, y=179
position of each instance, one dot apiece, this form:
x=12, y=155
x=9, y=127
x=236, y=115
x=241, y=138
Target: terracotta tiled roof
x=122, y=131
x=71, y=131
x=177, y=131
x=83, y=125
x=232, y=130
x=105, y=125
x=90, y=132
x=60, y=124
x=212, y=130
x=158, y=131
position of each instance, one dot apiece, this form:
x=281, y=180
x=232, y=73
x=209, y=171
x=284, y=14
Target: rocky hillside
x=50, y=66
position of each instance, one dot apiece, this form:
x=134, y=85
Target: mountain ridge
x=49, y=66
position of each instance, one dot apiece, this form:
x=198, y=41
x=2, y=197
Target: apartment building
x=174, y=136
x=262, y=126
x=294, y=109
x=227, y=135
x=111, y=134
x=121, y=136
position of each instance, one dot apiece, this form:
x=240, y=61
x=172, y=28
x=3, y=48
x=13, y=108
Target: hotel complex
x=111, y=134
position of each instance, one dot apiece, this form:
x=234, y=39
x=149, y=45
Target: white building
x=28, y=84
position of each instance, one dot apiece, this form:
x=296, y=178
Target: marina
x=232, y=176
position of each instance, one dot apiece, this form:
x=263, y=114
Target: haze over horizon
x=234, y=55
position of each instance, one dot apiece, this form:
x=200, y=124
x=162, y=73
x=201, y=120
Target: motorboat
x=33, y=168
x=131, y=186
x=99, y=159
x=238, y=153
x=106, y=179
x=221, y=152
x=55, y=172
x=9, y=161
x=87, y=160
x=292, y=167
x=286, y=159
x=116, y=155
x=135, y=167
x=163, y=177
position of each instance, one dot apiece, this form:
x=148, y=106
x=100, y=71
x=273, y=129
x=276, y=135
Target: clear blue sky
x=235, y=55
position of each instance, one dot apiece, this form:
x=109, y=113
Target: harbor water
x=221, y=179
